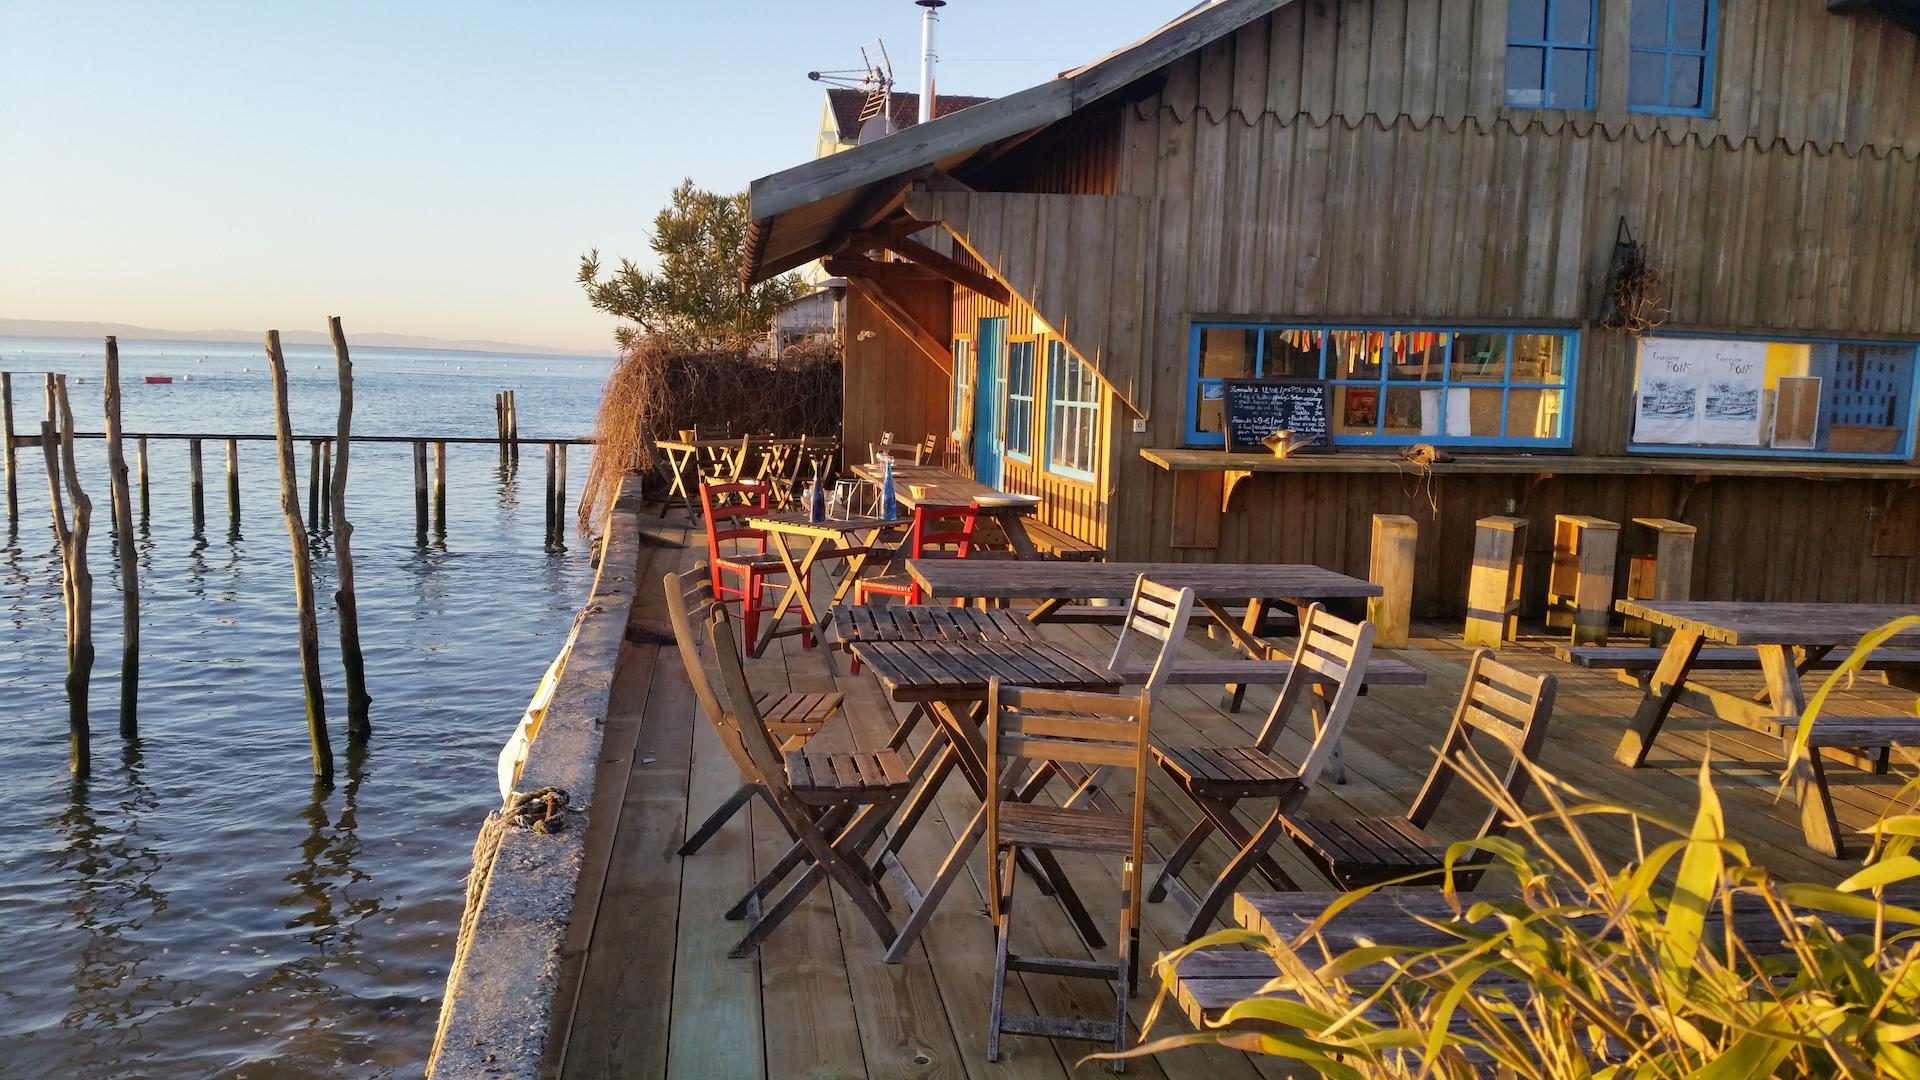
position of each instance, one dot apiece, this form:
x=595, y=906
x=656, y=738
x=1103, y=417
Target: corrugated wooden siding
x=1081, y=261
x=1786, y=70
x=1076, y=506
x=1078, y=156
x=890, y=384
x=1760, y=539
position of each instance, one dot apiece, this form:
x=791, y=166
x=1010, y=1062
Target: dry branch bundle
x=656, y=390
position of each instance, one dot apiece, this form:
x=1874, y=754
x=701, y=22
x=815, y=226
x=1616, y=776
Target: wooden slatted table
x=951, y=490
x=1214, y=586
x=921, y=622
x=1787, y=639
x=949, y=678
x=853, y=539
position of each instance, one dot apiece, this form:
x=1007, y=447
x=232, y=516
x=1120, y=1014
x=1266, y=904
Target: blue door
x=989, y=400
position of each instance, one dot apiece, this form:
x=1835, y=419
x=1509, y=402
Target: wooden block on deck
x=1660, y=567
x=1493, y=587
x=1391, y=568
x=1580, y=586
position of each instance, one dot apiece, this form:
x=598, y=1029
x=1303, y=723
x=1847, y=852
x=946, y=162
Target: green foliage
x=696, y=299
x=1566, y=966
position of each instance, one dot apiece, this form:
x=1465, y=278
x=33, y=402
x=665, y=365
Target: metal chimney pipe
x=929, y=22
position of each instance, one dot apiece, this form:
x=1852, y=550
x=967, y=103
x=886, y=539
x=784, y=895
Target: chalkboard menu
x=1256, y=408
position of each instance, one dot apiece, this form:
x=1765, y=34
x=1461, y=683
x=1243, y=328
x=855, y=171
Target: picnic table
x=853, y=539
x=949, y=680
x=1214, y=585
x=1009, y=515
x=1787, y=640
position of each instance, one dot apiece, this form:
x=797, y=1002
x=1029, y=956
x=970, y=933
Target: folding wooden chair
x=791, y=718
x=1508, y=706
x=1104, y=732
x=927, y=447
x=833, y=805
x=1330, y=663
x=749, y=569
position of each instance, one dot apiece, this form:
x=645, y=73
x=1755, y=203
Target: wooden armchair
x=1104, y=732
x=1508, y=706
x=1330, y=663
x=790, y=718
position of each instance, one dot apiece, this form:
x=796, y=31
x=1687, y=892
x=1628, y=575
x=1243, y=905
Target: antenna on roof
x=876, y=79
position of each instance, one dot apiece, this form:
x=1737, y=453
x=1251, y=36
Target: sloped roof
x=801, y=212
x=847, y=105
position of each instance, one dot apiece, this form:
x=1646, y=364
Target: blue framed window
x=1775, y=397
x=1395, y=386
x=1670, y=57
x=1550, y=53
x=962, y=374
x=1073, y=414
x=1020, y=400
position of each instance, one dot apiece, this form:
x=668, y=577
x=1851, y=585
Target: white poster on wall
x=1735, y=375
x=1667, y=401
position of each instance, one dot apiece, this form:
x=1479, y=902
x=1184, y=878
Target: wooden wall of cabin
x=1760, y=539
x=1076, y=506
x=890, y=382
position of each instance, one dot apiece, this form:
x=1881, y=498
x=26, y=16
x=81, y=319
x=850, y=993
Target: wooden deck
x=658, y=995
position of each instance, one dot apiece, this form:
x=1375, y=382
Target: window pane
x=1569, y=75
x=1420, y=355
x=1526, y=77
x=1572, y=22
x=1684, y=90
x=1358, y=410
x=1647, y=78
x=1473, y=413
x=1533, y=414
x=1649, y=24
x=1210, y=408
x=1354, y=354
x=1539, y=358
x=1690, y=24
x=1291, y=354
x=1479, y=357
x=1225, y=354
x=1412, y=411
x=1526, y=20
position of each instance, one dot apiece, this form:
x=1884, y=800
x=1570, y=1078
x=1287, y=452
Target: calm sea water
x=198, y=908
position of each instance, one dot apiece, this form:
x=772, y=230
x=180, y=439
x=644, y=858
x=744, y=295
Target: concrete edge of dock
x=516, y=957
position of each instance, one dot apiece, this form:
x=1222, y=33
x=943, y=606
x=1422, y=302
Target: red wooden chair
x=749, y=569
x=939, y=532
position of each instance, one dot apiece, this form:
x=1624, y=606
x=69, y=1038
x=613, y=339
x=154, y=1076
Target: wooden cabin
x=1621, y=258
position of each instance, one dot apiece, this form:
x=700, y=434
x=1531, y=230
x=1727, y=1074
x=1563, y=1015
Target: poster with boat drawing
x=1700, y=391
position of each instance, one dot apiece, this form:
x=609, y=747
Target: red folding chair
x=749, y=569
x=939, y=532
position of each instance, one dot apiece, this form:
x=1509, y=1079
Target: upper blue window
x=1073, y=414
x=1670, y=61
x=1398, y=386
x=1550, y=53
x=1020, y=400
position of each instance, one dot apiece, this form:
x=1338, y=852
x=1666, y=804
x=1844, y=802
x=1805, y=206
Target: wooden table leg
x=1046, y=609
x=1662, y=686
x=1017, y=538
x=1245, y=637
x=796, y=589
x=677, y=468
x=1807, y=773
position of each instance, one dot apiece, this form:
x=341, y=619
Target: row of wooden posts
x=326, y=513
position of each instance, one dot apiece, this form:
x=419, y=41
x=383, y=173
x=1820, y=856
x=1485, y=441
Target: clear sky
x=425, y=167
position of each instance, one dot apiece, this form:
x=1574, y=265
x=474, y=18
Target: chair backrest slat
x=1159, y=613
x=690, y=604
x=727, y=502
x=1507, y=705
x=943, y=531
x=1331, y=662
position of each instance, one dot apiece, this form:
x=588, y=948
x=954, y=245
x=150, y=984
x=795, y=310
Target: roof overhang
x=802, y=213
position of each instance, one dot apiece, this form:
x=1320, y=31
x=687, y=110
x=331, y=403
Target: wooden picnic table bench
x=1787, y=639
x=1646, y=658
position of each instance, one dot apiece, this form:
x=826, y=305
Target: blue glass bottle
x=888, y=508
x=816, y=500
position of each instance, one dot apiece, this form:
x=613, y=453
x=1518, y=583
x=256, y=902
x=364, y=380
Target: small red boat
x=162, y=379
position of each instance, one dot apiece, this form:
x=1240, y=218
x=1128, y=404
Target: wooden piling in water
x=500, y=420
x=551, y=522
x=6, y=448
x=196, y=482
x=359, y=702
x=141, y=451
x=302, y=568
x=420, y=491
x=233, y=488
x=76, y=581
x=326, y=485
x=313, y=486
x=560, y=500
x=440, y=489
x=129, y=561
x=513, y=428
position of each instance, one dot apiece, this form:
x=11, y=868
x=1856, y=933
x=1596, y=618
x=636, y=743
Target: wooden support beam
x=440, y=489
x=6, y=448
x=936, y=350
x=233, y=488
x=952, y=269
x=883, y=272
x=141, y=454
x=420, y=492
x=1395, y=537
x=197, y=487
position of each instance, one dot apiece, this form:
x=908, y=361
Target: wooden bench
x=1060, y=544
x=1634, y=658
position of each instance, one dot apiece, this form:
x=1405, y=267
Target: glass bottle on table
x=816, y=499
x=888, y=508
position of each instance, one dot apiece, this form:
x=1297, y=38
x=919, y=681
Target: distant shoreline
x=59, y=330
